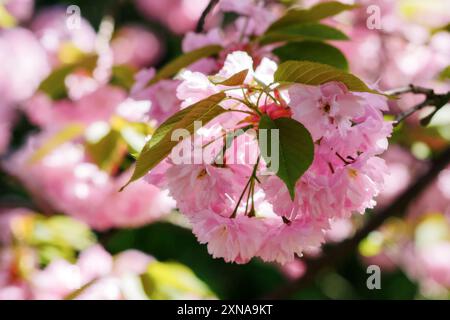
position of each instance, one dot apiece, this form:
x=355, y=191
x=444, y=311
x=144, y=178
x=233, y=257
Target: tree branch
x=336, y=253
x=431, y=99
x=208, y=9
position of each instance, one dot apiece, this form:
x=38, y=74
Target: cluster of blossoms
x=239, y=210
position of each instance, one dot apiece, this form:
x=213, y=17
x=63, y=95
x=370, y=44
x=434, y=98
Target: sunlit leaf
x=295, y=146
x=54, y=85
x=445, y=74
x=52, y=237
x=171, y=280
x=303, y=31
x=312, y=73
x=68, y=133
x=183, y=61
x=108, y=152
x=313, y=14
x=122, y=76
x=161, y=144
x=235, y=80
x=312, y=51
x=6, y=19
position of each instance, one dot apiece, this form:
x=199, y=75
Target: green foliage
x=235, y=80
x=167, y=242
x=108, y=152
x=54, y=85
x=161, y=144
x=6, y=19
x=312, y=51
x=171, y=280
x=122, y=76
x=66, y=134
x=312, y=73
x=303, y=31
x=53, y=237
x=445, y=74
x=303, y=35
x=296, y=149
x=315, y=13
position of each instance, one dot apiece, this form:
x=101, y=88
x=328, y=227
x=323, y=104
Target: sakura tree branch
x=431, y=99
x=208, y=9
x=334, y=254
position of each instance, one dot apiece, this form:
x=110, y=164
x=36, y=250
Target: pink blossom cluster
x=349, y=132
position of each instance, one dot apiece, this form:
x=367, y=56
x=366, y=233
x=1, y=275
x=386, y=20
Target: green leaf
x=445, y=28
x=54, y=85
x=161, y=144
x=108, y=152
x=312, y=73
x=7, y=20
x=312, y=51
x=173, y=281
x=69, y=132
x=122, y=76
x=303, y=31
x=296, y=149
x=313, y=14
x=445, y=74
x=235, y=80
x=172, y=68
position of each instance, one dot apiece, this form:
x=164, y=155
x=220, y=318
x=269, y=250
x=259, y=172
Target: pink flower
x=50, y=26
x=325, y=108
x=161, y=95
x=403, y=167
x=24, y=65
x=136, y=46
x=197, y=86
x=104, y=277
x=58, y=280
x=258, y=17
x=285, y=240
x=99, y=105
x=20, y=9
x=436, y=260
x=179, y=15
x=234, y=240
x=192, y=40
x=67, y=182
x=224, y=185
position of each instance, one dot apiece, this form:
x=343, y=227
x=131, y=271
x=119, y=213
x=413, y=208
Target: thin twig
x=208, y=9
x=336, y=253
x=431, y=99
